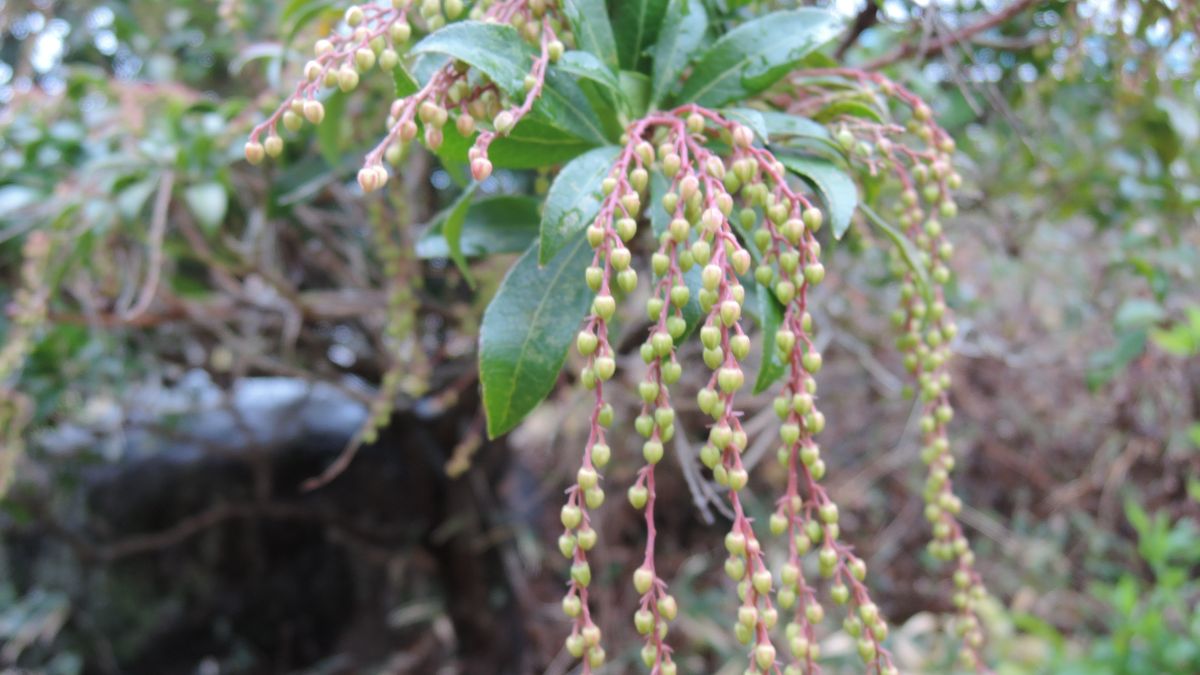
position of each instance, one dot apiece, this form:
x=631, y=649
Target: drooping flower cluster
x=927, y=180
x=375, y=36
x=27, y=314
x=723, y=185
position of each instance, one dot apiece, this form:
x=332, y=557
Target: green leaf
x=133, y=197
x=208, y=202
x=751, y=57
x=593, y=32
x=494, y=49
x=584, y=65
x=329, y=134
x=850, y=108
x=749, y=117
x=574, y=199
x=908, y=251
x=692, y=315
x=781, y=124
x=636, y=88
x=659, y=218
x=772, y=366
x=531, y=144
x=406, y=85
x=682, y=32
x=297, y=14
x=837, y=189
x=452, y=229
x=497, y=224
x=527, y=330
x=1139, y=313
x=564, y=105
x=636, y=24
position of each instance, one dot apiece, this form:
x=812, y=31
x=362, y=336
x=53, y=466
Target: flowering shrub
x=705, y=154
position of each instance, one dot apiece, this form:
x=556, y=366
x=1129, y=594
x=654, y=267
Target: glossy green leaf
x=751, y=57
x=494, y=49
x=531, y=144
x=682, y=33
x=405, y=84
x=593, y=33
x=497, y=224
x=908, y=250
x=770, y=316
x=585, y=66
x=208, y=202
x=658, y=216
x=452, y=229
x=836, y=188
x=636, y=24
x=850, y=107
x=749, y=117
x=636, y=88
x=564, y=105
x=781, y=124
x=574, y=199
x=527, y=330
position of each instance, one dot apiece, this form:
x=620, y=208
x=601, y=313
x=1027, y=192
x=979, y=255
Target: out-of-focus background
x=161, y=516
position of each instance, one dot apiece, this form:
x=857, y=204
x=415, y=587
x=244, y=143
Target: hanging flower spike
x=376, y=34
x=927, y=327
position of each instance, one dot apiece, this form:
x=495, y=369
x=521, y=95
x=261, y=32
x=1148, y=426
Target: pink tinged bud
x=481, y=168
x=313, y=111
x=433, y=137
x=254, y=152
x=408, y=130
x=742, y=136
x=465, y=124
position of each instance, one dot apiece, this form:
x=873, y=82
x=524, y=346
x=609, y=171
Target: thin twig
x=158, y=231
x=934, y=46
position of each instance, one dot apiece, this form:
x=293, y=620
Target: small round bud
x=314, y=112
x=503, y=122
x=273, y=145
x=254, y=152
x=481, y=168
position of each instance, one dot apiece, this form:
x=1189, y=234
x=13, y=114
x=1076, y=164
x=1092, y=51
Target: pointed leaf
x=527, y=330
x=787, y=124
x=452, y=229
x=564, y=105
x=494, y=49
x=636, y=24
x=837, y=189
x=682, y=33
x=908, y=250
x=751, y=57
x=574, y=199
x=587, y=67
x=593, y=32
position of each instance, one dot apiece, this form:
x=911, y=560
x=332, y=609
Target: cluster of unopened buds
x=376, y=36
x=925, y=171
x=711, y=199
